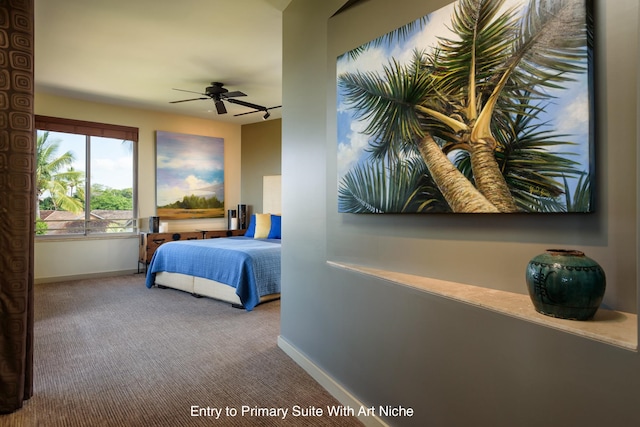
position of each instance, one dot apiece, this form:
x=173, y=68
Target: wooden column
x=17, y=202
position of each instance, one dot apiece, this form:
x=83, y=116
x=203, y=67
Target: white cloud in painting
x=427, y=38
x=574, y=116
x=371, y=60
x=185, y=162
x=193, y=183
x=349, y=152
x=572, y=119
x=167, y=194
x=190, y=185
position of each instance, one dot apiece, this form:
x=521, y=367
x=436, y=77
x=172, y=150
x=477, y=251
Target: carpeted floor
x=110, y=352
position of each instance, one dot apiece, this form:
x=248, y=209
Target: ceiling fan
x=218, y=94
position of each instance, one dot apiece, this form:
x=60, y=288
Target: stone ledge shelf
x=611, y=327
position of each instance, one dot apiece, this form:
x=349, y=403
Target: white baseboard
x=336, y=390
x=39, y=280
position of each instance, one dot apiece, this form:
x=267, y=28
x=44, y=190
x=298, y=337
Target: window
x=85, y=178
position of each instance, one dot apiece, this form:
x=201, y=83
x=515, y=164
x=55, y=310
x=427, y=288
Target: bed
x=242, y=270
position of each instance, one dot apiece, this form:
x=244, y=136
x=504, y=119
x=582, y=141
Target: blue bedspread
x=252, y=266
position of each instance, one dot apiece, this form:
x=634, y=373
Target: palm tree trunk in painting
x=489, y=178
x=459, y=193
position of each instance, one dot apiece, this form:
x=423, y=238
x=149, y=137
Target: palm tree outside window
x=85, y=183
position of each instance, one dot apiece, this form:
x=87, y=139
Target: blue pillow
x=276, y=224
x=251, y=230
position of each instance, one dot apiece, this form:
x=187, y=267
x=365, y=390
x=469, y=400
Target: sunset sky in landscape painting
x=188, y=165
x=567, y=113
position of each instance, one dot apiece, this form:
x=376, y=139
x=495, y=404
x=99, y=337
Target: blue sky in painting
x=567, y=113
x=188, y=165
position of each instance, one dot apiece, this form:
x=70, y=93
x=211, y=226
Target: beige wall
x=456, y=365
x=59, y=259
x=261, y=155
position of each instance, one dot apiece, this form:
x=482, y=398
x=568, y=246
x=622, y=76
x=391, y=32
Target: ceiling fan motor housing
x=216, y=89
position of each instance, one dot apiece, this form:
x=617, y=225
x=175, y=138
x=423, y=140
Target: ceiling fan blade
x=248, y=104
x=186, y=100
x=190, y=91
x=256, y=111
x=220, y=108
x=233, y=94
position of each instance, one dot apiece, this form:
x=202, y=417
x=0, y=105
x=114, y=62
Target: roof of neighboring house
x=64, y=222
x=51, y=215
x=61, y=216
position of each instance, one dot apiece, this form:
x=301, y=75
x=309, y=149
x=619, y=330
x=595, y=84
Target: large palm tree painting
x=482, y=106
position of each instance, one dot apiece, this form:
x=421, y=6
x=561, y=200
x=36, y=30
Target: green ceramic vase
x=566, y=284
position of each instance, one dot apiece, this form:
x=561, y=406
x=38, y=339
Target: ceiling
x=135, y=52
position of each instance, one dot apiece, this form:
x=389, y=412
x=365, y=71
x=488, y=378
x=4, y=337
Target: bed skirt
x=201, y=287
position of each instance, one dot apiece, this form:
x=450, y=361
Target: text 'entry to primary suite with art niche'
x=189, y=176
x=478, y=107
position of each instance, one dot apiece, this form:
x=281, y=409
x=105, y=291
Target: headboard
x=272, y=194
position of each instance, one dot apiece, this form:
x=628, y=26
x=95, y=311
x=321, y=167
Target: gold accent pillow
x=263, y=226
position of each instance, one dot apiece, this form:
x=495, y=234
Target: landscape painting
x=189, y=176
x=479, y=107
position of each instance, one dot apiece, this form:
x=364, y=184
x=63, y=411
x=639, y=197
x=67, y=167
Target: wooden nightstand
x=212, y=234
x=149, y=242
